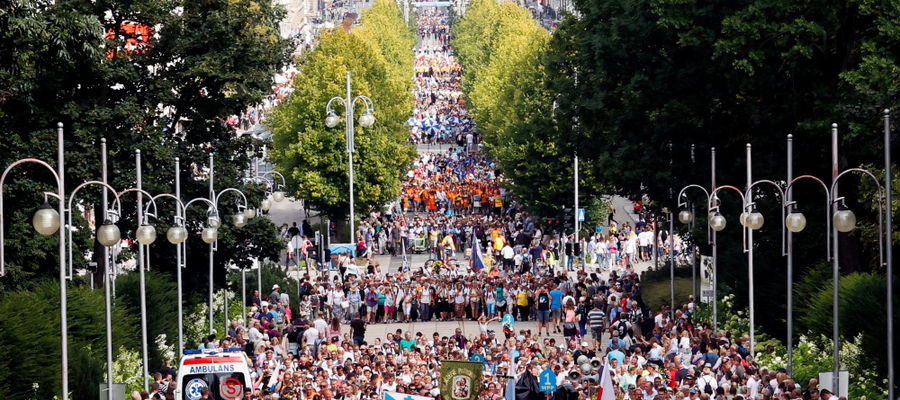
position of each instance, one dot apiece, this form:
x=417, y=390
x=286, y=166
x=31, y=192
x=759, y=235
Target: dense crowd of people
x=440, y=114
x=586, y=321
x=453, y=182
x=492, y=263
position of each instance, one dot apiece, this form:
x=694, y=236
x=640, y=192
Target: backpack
x=622, y=327
x=707, y=388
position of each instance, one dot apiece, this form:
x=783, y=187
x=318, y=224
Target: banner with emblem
x=460, y=380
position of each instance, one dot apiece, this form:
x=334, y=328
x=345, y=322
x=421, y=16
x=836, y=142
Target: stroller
x=419, y=245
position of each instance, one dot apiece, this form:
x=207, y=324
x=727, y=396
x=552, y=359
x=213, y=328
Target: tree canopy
x=503, y=52
x=312, y=156
x=149, y=75
x=632, y=86
x=165, y=90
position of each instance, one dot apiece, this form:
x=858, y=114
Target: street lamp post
x=47, y=221
x=244, y=285
x=176, y=235
x=145, y=237
x=210, y=234
x=717, y=222
x=841, y=219
x=366, y=120
x=795, y=222
x=753, y=220
x=686, y=216
x=844, y=220
x=108, y=235
x=889, y=256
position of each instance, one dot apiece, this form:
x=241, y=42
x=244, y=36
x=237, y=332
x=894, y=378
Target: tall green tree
x=504, y=54
x=314, y=157
x=394, y=37
x=76, y=62
x=166, y=93
x=656, y=76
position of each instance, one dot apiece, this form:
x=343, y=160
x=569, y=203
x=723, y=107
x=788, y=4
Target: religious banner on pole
x=460, y=380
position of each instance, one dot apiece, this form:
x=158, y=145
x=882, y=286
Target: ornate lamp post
x=366, y=120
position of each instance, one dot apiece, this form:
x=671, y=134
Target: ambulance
x=224, y=373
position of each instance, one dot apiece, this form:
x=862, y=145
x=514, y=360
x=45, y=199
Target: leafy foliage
x=168, y=97
x=813, y=354
x=863, y=311
x=312, y=156
x=69, y=61
x=635, y=84
x=30, y=344
x=503, y=52
x=162, y=317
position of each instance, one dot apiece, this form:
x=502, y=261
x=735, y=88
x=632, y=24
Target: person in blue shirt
x=616, y=354
x=556, y=296
x=615, y=342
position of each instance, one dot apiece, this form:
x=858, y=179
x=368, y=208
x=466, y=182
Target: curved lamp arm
x=178, y=203
x=140, y=192
x=748, y=203
x=59, y=188
x=714, y=195
x=682, y=204
x=116, y=204
x=329, y=109
x=243, y=197
x=370, y=105
x=789, y=206
x=881, y=199
x=269, y=174
x=202, y=200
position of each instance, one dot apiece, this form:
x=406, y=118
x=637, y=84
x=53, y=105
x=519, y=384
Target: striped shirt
x=595, y=318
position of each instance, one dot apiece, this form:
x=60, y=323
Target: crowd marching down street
x=440, y=115
x=492, y=264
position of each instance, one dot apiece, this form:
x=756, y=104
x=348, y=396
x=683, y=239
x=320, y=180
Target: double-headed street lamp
x=108, y=235
x=795, y=222
x=273, y=189
x=686, y=216
x=176, y=234
x=839, y=218
x=210, y=234
x=366, y=120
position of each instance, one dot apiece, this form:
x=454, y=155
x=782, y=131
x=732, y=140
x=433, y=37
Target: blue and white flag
x=403, y=396
x=476, y=263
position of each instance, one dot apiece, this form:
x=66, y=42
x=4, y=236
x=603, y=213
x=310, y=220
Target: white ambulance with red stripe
x=224, y=373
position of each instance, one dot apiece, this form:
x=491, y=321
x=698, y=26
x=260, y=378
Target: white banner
x=706, y=279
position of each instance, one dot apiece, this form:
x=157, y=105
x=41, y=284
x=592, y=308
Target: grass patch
x=656, y=287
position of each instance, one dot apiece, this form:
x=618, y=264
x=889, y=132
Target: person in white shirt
x=707, y=379
x=320, y=324
x=508, y=254
x=645, y=240
x=311, y=334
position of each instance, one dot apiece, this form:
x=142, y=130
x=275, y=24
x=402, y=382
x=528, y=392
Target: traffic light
x=568, y=217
